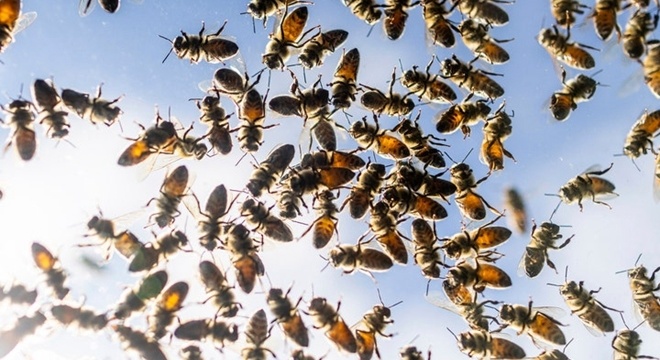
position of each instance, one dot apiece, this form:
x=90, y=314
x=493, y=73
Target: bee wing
x=85, y=7
x=553, y=312
x=191, y=202
x=631, y=84
x=122, y=222
x=439, y=299
x=656, y=179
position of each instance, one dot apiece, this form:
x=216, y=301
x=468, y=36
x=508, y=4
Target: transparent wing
x=122, y=222
x=24, y=21
x=85, y=7
x=551, y=311
x=656, y=179
x=439, y=299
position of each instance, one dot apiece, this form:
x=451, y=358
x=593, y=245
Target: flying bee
x=515, y=207
x=427, y=251
x=270, y=170
x=395, y=17
x=286, y=37
x=325, y=225
x=587, y=185
x=159, y=137
x=640, y=25
x=24, y=326
x=482, y=10
x=317, y=48
x=644, y=298
x=306, y=104
x=428, y=86
x=482, y=344
x=421, y=181
x=256, y=333
x=471, y=204
x=207, y=329
x=472, y=243
x=604, y=16
x=288, y=316
x=151, y=254
x=343, y=82
x=641, y=134
x=575, y=90
x=53, y=273
x=134, y=340
x=402, y=201
x=220, y=292
x=365, y=10
x=439, y=29
x=651, y=68
x=164, y=311
x=410, y=352
x=570, y=53
x=136, y=298
x=496, y=130
x=362, y=194
x=369, y=137
x=475, y=81
x=392, y=104
x=327, y=319
x=475, y=37
x=463, y=115
x=11, y=21
x=421, y=145
x=214, y=116
x=312, y=180
x=174, y=188
x=564, y=11
x=265, y=223
x=383, y=224
x=244, y=258
x=211, y=48
x=626, y=344
x=479, y=277
x=21, y=122
x=84, y=318
x=18, y=294
x=536, y=253
x=354, y=257
x=535, y=323
x=45, y=94
x=373, y=322
x=252, y=113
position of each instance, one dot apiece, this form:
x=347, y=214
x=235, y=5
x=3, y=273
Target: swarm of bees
x=381, y=159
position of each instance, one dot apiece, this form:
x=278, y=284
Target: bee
x=288, y=316
x=327, y=319
x=589, y=310
x=604, y=17
x=312, y=180
x=213, y=115
x=325, y=225
x=383, y=224
x=187, y=146
x=651, y=68
x=209, y=222
x=396, y=16
x=343, y=82
x=136, y=298
x=323, y=129
x=479, y=277
x=515, y=207
x=365, y=10
x=420, y=181
x=306, y=104
x=45, y=94
x=587, y=184
x=458, y=294
x=211, y=329
x=191, y=352
x=18, y=294
x=265, y=223
x=373, y=322
x=164, y=312
x=472, y=243
x=439, y=29
x=369, y=137
x=402, y=201
x=173, y=189
x=232, y=84
x=76, y=101
x=391, y=104
x=482, y=344
x=211, y=48
x=56, y=124
x=137, y=341
x=252, y=113
x=124, y=241
x=11, y=21
x=461, y=116
x=298, y=354
x=21, y=122
x=368, y=186
x=323, y=159
x=256, y=333
x=427, y=86
x=575, y=90
x=570, y=53
x=626, y=344
x=84, y=318
x=475, y=81
x=421, y=145
x=262, y=9
x=483, y=10
x=24, y=326
x=85, y=7
x=475, y=37
x=552, y=355
x=289, y=203
x=287, y=36
x=317, y=48
x=55, y=276
x=160, y=137
x=426, y=252
x=469, y=202
x=641, y=134
x=537, y=324
x=646, y=302
x=410, y=352
x=496, y=130
x=564, y=11
x=244, y=257
x=354, y=257
x=536, y=253
x=220, y=292
x=149, y=255
x=97, y=110
x=640, y=25
x=270, y=170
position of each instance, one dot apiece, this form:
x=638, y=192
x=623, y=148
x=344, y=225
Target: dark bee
x=515, y=207
x=366, y=10
x=50, y=265
x=575, y=90
x=475, y=37
x=422, y=182
x=209, y=221
x=604, y=16
x=211, y=48
x=56, y=124
x=395, y=17
x=496, y=130
x=18, y=294
x=570, y=53
x=647, y=303
x=24, y=326
x=323, y=129
x=134, y=340
x=439, y=29
x=344, y=80
x=220, y=292
x=469, y=202
x=317, y=48
x=262, y=9
x=587, y=185
x=421, y=145
x=157, y=138
x=470, y=310
x=462, y=116
x=326, y=159
x=173, y=189
x=472, y=243
x=402, y=201
x=189, y=146
x=97, y=110
x=10, y=17
x=373, y=322
x=252, y=113
x=306, y=104
x=536, y=253
x=270, y=170
x=164, y=311
x=207, y=329
x=651, y=68
x=288, y=316
x=287, y=36
x=362, y=194
x=589, y=310
x=124, y=241
x=626, y=345
x=136, y=298
x=76, y=101
x=151, y=254
x=85, y=7
x=369, y=137
x=265, y=223
x=327, y=319
x=475, y=81
x=482, y=344
x=214, y=116
x=232, y=84
x=640, y=137
x=289, y=203
x=312, y=180
x=479, y=277
x=84, y=318
x=298, y=354
x=427, y=251
x=427, y=86
x=244, y=257
x=391, y=104
x=45, y=95
x=256, y=333
x=640, y=25
x=564, y=11
x=383, y=224
x=354, y=257
x=325, y=225
x=410, y=352
x=483, y=10
x=536, y=324
x=21, y=122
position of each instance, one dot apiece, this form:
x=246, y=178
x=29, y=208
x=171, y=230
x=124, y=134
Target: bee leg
x=565, y=242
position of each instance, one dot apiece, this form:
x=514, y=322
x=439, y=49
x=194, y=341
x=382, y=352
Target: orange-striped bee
x=139, y=342
x=270, y=170
x=323, y=159
x=136, y=298
x=428, y=86
x=362, y=194
x=83, y=317
x=252, y=114
x=215, y=283
x=383, y=224
x=536, y=253
x=369, y=137
x=604, y=15
x=641, y=134
x=215, y=117
x=475, y=37
x=373, y=322
x=651, y=68
x=537, y=324
x=344, y=80
x=155, y=139
x=427, y=251
x=167, y=304
x=174, y=188
x=355, y=257
x=458, y=294
x=392, y=104
x=496, y=130
x=285, y=38
x=475, y=81
x=462, y=116
x=471, y=204
x=586, y=185
x=640, y=25
x=213, y=330
x=211, y=48
x=327, y=319
x=564, y=11
x=482, y=344
x=471, y=244
x=396, y=16
x=11, y=21
x=53, y=272
x=311, y=179
x=317, y=48
x=21, y=121
x=515, y=207
x=570, y=53
x=288, y=316
x=244, y=257
x=402, y=200
x=438, y=27
x=575, y=90
x=24, y=326
x=479, y=277
x=483, y=10
x=589, y=310
x=366, y=10
x=419, y=144
x=647, y=303
x=151, y=254
x=325, y=225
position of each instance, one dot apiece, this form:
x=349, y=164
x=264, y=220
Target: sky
x=50, y=198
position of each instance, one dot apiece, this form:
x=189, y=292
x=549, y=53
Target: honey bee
x=354, y=257
x=137, y=341
x=438, y=27
x=323, y=159
x=209, y=222
x=24, y=326
x=587, y=185
x=362, y=194
x=244, y=257
x=426, y=252
x=421, y=145
x=479, y=277
x=535, y=323
x=469, y=202
x=369, y=137
x=645, y=300
x=298, y=354
x=164, y=312
x=469, y=309
x=155, y=139
x=288, y=316
x=515, y=207
x=641, y=134
x=472, y=243
x=496, y=130
x=323, y=129
x=262, y=9
x=256, y=333
x=312, y=179
x=552, y=355
x=483, y=10
x=212, y=329
x=174, y=188
x=55, y=276
x=270, y=170
x=306, y=104
x=11, y=21
x=135, y=299
x=18, y=294
x=604, y=17
x=287, y=37
x=214, y=116
x=404, y=201
x=265, y=223
x=220, y=292
x=396, y=16
x=232, y=84
x=482, y=344
x=462, y=116
x=191, y=352
x=84, y=318
x=317, y=48
x=640, y=25
x=589, y=310
x=21, y=122
x=252, y=113
x=327, y=319
x=475, y=37
x=651, y=68
x=391, y=104
x=289, y=203
x=536, y=253
x=427, y=86
x=56, y=124
x=564, y=11
x=97, y=110
x=325, y=225
x=422, y=182
x=475, y=81
x=570, y=53
x=373, y=322
x=44, y=93
x=626, y=345
x=458, y=294
x=85, y=7
x=211, y=48
x=366, y=10
x=410, y=352
x=343, y=82
x=383, y=224
x=151, y=254
x=575, y=90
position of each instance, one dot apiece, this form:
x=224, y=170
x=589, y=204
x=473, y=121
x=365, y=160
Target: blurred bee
x=552, y=355
x=262, y=9
x=84, y=318
x=288, y=316
x=362, y=194
x=536, y=253
x=410, y=352
x=479, y=277
x=463, y=115
x=265, y=223
x=53, y=272
x=427, y=251
x=427, y=86
x=570, y=53
x=173, y=189
x=496, y=130
x=85, y=7
x=327, y=319
x=287, y=37
x=343, y=82
x=651, y=68
x=640, y=25
x=391, y=104
x=469, y=202
x=211, y=48
x=189, y=146
x=482, y=344
x=626, y=344
x=56, y=124
x=252, y=113
x=647, y=303
x=136, y=298
x=313, y=180
x=256, y=333
x=243, y=257
x=469, y=309
x=220, y=292
x=438, y=27
x=18, y=294
x=483, y=10
x=151, y=254
x=383, y=224
x=422, y=182
x=317, y=48
x=472, y=243
x=145, y=346
x=575, y=90
x=564, y=11
x=21, y=122
x=299, y=354
x=641, y=134
x=538, y=325
x=475, y=81
x=164, y=311
x=475, y=37
x=207, y=329
x=24, y=326
x=323, y=159
x=402, y=200
x=157, y=138
x=604, y=17
x=354, y=257
x=587, y=185
x=420, y=145
x=515, y=207
x=369, y=137
x=325, y=225
x=395, y=17
x=373, y=322
x=289, y=202
x=11, y=21
x=191, y=352
x=45, y=94
x=270, y=170
x=306, y=104
x=323, y=129
x=366, y=10
x=97, y=110
x=214, y=116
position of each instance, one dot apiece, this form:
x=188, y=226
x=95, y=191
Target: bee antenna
x=452, y=333
x=169, y=52
x=556, y=207
x=638, y=257
x=551, y=284
x=450, y=158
